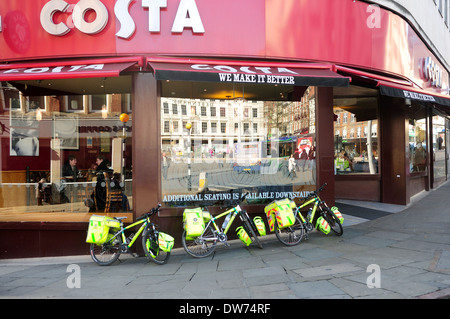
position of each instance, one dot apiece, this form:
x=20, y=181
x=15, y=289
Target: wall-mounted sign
x=187, y=16
x=431, y=72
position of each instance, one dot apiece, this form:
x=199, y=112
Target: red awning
x=247, y=72
x=407, y=92
x=396, y=87
x=89, y=68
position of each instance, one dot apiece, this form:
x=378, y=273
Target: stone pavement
x=405, y=253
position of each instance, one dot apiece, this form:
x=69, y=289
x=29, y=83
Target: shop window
x=253, y=155
x=73, y=103
x=439, y=148
x=356, y=132
x=98, y=102
x=417, y=138
x=42, y=135
x=417, y=145
x=10, y=97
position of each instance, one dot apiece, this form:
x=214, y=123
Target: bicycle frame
x=122, y=230
x=233, y=211
x=316, y=200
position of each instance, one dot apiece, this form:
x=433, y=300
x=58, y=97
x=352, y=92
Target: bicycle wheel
x=333, y=221
x=249, y=229
x=150, y=244
x=107, y=253
x=292, y=235
x=201, y=246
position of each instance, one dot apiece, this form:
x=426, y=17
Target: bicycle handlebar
x=314, y=193
x=321, y=188
x=151, y=212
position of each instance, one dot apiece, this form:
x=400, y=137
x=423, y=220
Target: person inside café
x=70, y=170
x=100, y=187
x=343, y=163
x=69, y=174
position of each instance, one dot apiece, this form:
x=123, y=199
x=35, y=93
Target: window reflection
x=212, y=148
x=356, y=143
x=50, y=144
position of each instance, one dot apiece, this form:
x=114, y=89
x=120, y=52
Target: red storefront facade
x=345, y=54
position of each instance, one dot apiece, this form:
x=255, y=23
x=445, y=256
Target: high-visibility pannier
x=243, y=236
x=281, y=212
x=260, y=226
x=99, y=228
x=194, y=221
x=323, y=225
x=165, y=242
x=338, y=214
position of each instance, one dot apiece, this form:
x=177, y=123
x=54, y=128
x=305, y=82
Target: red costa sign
x=187, y=16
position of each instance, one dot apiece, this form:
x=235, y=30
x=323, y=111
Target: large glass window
x=266, y=148
x=439, y=148
x=418, y=147
x=62, y=150
x=356, y=131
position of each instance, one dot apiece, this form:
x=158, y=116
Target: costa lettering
x=431, y=72
x=248, y=74
x=57, y=69
x=187, y=16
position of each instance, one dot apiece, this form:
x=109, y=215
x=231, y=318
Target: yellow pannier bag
x=98, y=230
x=193, y=222
x=338, y=214
x=112, y=223
x=281, y=212
x=243, y=236
x=259, y=223
x=165, y=242
x=323, y=225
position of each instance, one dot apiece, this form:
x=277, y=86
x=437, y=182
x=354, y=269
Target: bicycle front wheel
x=201, y=246
x=333, y=221
x=292, y=235
x=107, y=253
x=150, y=244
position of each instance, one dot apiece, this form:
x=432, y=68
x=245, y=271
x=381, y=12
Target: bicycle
x=293, y=234
x=108, y=241
x=203, y=243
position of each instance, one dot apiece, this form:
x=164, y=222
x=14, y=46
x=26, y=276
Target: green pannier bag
x=165, y=242
x=281, y=212
x=243, y=236
x=99, y=228
x=260, y=226
x=194, y=223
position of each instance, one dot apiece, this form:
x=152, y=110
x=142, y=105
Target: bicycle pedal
x=226, y=244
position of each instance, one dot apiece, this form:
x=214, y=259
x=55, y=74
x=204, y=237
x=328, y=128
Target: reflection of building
x=351, y=134
x=216, y=125
x=292, y=118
